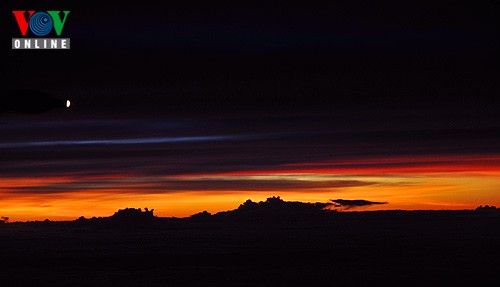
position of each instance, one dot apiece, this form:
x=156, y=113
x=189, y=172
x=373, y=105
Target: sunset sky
x=93, y=168
x=190, y=108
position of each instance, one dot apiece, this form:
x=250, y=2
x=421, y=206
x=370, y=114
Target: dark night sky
x=186, y=88
x=430, y=63
x=189, y=58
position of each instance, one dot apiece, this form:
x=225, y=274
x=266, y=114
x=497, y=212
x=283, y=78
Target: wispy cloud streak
x=117, y=141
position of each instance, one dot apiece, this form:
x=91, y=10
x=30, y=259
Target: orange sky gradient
x=432, y=183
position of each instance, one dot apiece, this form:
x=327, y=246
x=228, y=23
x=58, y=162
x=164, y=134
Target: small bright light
x=68, y=103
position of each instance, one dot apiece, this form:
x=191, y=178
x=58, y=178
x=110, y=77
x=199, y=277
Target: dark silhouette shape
x=277, y=205
x=486, y=208
x=201, y=216
x=274, y=209
x=133, y=213
x=379, y=248
x=248, y=206
x=29, y=102
x=132, y=217
x=348, y=204
x=81, y=220
x=4, y=219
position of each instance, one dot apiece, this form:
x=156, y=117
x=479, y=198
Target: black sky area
x=392, y=77
x=187, y=58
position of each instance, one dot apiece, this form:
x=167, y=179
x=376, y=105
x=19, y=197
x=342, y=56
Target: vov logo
x=40, y=24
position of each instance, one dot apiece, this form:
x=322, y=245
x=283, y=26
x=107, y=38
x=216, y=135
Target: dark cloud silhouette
x=348, y=204
x=133, y=217
x=29, y=102
x=276, y=209
x=201, y=216
x=487, y=208
x=174, y=185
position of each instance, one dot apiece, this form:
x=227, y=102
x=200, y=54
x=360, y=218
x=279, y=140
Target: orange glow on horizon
x=413, y=183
